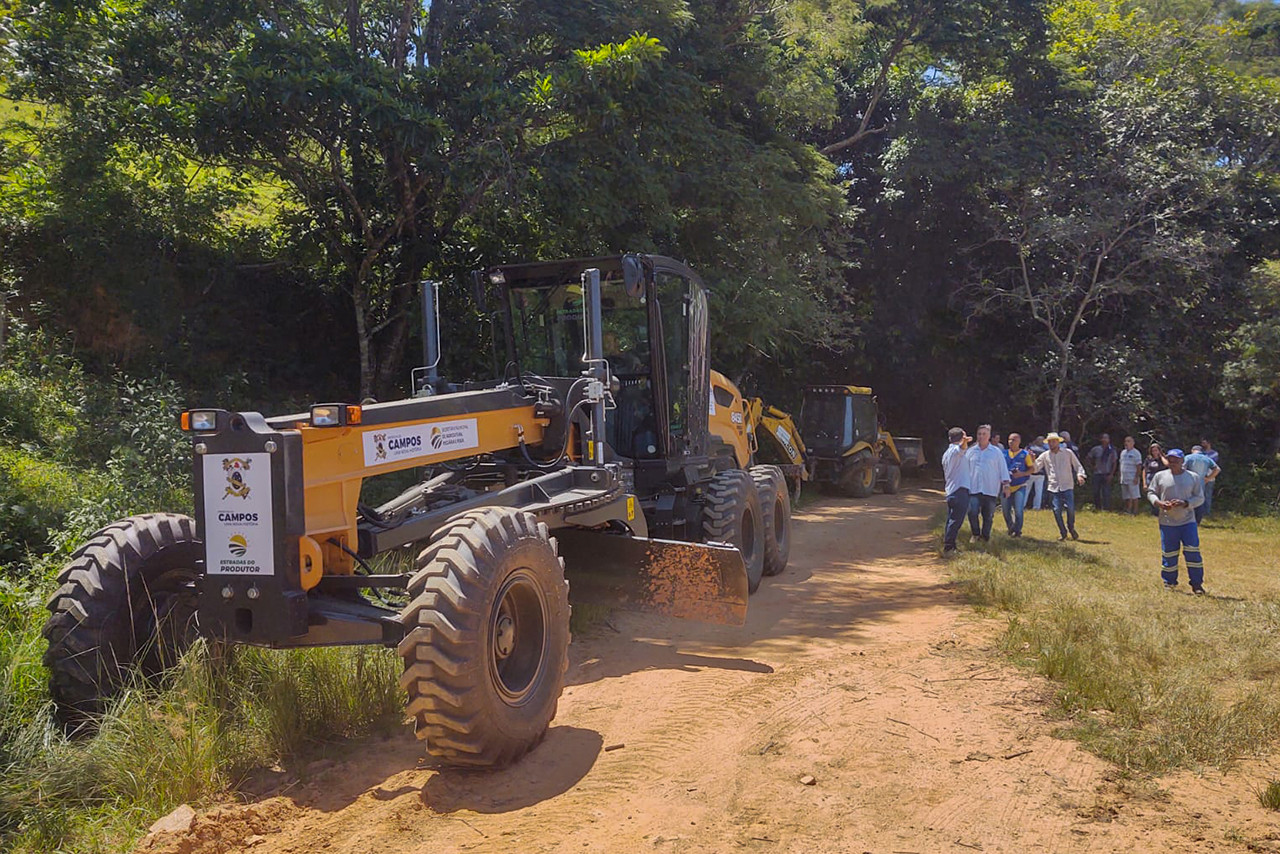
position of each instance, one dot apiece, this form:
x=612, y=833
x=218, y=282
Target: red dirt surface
x=859, y=667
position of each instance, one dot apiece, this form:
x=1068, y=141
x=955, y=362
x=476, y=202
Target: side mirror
x=633, y=276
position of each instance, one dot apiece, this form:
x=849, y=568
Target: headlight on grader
x=200, y=420
x=334, y=415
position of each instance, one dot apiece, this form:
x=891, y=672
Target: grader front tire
x=732, y=515
x=486, y=641
x=124, y=604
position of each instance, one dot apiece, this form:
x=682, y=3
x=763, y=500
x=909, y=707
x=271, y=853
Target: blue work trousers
x=1064, y=502
x=957, y=507
x=1014, y=504
x=1187, y=538
x=984, y=506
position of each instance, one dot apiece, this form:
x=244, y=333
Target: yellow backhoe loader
x=597, y=460
x=848, y=450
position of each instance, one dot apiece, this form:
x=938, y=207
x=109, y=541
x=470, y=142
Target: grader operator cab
x=589, y=463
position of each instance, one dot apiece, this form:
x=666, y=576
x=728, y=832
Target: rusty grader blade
x=692, y=581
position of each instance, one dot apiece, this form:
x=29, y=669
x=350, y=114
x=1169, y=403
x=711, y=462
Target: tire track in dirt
x=859, y=666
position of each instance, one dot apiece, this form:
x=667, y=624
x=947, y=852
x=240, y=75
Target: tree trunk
x=391, y=358
x=4, y=319
x=363, y=339
x=1059, y=386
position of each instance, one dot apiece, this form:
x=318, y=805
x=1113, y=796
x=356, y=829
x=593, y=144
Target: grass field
x=1149, y=679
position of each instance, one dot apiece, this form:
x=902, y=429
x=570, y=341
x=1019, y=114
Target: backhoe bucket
x=691, y=581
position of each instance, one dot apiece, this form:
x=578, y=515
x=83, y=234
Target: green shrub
x=36, y=495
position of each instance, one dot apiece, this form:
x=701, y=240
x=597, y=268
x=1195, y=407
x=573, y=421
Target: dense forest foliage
x=1045, y=214
x=1040, y=213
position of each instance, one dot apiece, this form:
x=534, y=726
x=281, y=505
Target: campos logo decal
x=238, y=545
x=424, y=440
x=235, y=467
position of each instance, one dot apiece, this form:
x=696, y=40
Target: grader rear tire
x=732, y=515
x=775, y=506
x=124, y=604
x=486, y=640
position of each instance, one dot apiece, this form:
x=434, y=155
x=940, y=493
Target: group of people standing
x=1178, y=486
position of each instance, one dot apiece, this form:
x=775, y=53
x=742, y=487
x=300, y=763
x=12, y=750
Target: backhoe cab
x=849, y=451
x=589, y=462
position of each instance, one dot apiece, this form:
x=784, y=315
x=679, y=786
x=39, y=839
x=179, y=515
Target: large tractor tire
x=486, y=640
x=125, y=604
x=731, y=514
x=775, y=506
x=859, y=481
x=892, y=479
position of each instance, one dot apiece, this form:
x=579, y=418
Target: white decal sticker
x=735, y=417
x=422, y=440
x=785, y=438
x=713, y=402
x=238, y=527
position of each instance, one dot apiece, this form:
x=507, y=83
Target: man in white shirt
x=1064, y=472
x=1130, y=476
x=955, y=468
x=990, y=476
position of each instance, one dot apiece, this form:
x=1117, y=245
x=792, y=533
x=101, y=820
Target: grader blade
x=691, y=581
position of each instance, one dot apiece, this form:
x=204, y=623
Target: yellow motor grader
x=596, y=460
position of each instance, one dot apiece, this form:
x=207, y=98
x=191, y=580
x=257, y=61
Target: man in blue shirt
x=1205, y=466
x=955, y=468
x=1020, y=463
x=990, y=478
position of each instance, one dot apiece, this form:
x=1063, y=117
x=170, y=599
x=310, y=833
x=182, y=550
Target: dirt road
x=858, y=667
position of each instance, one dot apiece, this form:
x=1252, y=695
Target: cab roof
x=837, y=389
x=541, y=274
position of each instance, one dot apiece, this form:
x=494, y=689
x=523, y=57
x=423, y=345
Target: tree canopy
x=946, y=201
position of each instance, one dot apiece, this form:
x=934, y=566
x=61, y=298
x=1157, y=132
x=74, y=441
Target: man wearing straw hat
x=1064, y=471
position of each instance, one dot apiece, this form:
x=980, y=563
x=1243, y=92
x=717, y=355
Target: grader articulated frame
x=525, y=479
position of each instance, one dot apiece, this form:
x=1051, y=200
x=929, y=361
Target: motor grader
x=600, y=459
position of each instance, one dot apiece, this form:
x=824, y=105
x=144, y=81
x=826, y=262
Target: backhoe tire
x=125, y=604
x=486, y=640
x=775, y=507
x=859, y=482
x=893, y=479
x=731, y=514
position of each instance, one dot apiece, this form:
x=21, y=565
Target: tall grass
x=188, y=739
x=1149, y=679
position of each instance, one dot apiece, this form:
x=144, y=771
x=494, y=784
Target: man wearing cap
x=1064, y=472
x=1176, y=493
x=955, y=468
x=1207, y=467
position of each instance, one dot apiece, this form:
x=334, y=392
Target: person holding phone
x=955, y=467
